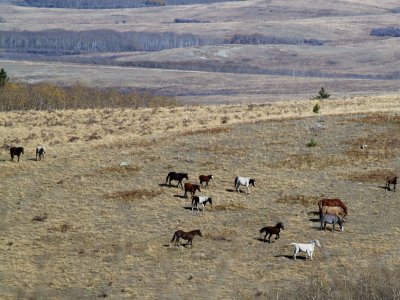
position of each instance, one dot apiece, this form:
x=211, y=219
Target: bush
x=311, y=143
x=316, y=108
x=322, y=94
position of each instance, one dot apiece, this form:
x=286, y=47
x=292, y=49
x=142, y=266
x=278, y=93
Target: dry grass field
x=80, y=226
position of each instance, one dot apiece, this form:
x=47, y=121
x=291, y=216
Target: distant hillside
x=106, y=4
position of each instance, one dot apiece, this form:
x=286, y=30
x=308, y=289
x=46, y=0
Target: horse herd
x=331, y=211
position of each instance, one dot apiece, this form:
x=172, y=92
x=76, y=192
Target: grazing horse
x=244, y=181
x=16, y=151
x=40, y=151
x=190, y=187
x=272, y=230
x=197, y=200
x=180, y=234
x=391, y=180
x=206, y=179
x=331, y=219
x=334, y=210
x=331, y=202
x=308, y=248
x=176, y=176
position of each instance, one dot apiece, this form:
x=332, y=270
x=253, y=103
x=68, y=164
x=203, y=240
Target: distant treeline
x=109, y=4
x=45, y=96
x=386, y=31
x=73, y=42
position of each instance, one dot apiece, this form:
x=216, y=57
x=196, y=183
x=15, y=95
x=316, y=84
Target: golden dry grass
x=107, y=226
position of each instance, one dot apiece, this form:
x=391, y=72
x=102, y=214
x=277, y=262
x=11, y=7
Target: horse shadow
x=260, y=239
x=166, y=185
x=187, y=207
x=291, y=257
x=384, y=187
x=180, y=196
x=314, y=220
x=234, y=191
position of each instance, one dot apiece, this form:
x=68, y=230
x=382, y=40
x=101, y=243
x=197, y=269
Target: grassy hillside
x=106, y=228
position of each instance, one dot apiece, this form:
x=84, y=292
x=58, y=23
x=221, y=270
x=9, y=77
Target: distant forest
x=96, y=41
x=109, y=4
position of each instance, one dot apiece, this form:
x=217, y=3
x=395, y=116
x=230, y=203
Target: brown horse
x=180, y=234
x=190, y=187
x=272, y=230
x=331, y=202
x=391, y=180
x=206, y=179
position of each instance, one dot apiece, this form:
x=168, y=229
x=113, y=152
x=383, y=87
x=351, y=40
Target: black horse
x=176, y=176
x=16, y=151
x=272, y=230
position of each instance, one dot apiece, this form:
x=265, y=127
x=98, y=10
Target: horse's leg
x=296, y=250
x=277, y=236
x=269, y=238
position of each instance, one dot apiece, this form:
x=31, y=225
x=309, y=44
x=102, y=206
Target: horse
x=190, y=187
x=40, y=151
x=308, y=248
x=272, y=230
x=331, y=202
x=180, y=234
x=334, y=210
x=206, y=179
x=244, y=181
x=196, y=200
x=331, y=219
x=176, y=176
x=391, y=180
x=16, y=151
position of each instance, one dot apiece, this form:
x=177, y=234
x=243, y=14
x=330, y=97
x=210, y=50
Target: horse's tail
x=236, y=180
x=166, y=179
x=173, y=238
x=263, y=229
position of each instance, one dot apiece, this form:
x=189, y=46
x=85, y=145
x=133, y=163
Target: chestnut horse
x=180, y=234
x=272, y=230
x=190, y=187
x=206, y=179
x=331, y=202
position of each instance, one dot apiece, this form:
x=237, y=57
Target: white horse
x=40, y=151
x=308, y=248
x=197, y=200
x=244, y=181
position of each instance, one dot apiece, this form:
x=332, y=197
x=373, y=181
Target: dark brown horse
x=272, y=230
x=331, y=202
x=16, y=151
x=206, y=179
x=176, y=176
x=192, y=188
x=391, y=180
x=180, y=234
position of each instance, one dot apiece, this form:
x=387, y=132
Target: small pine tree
x=3, y=78
x=322, y=94
x=316, y=108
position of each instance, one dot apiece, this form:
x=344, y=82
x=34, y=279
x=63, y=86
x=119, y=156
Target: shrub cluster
x=46, y=96
x=386, y=31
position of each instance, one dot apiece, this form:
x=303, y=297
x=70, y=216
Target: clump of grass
x=312, y=143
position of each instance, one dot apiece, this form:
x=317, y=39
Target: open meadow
x=78, y=225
